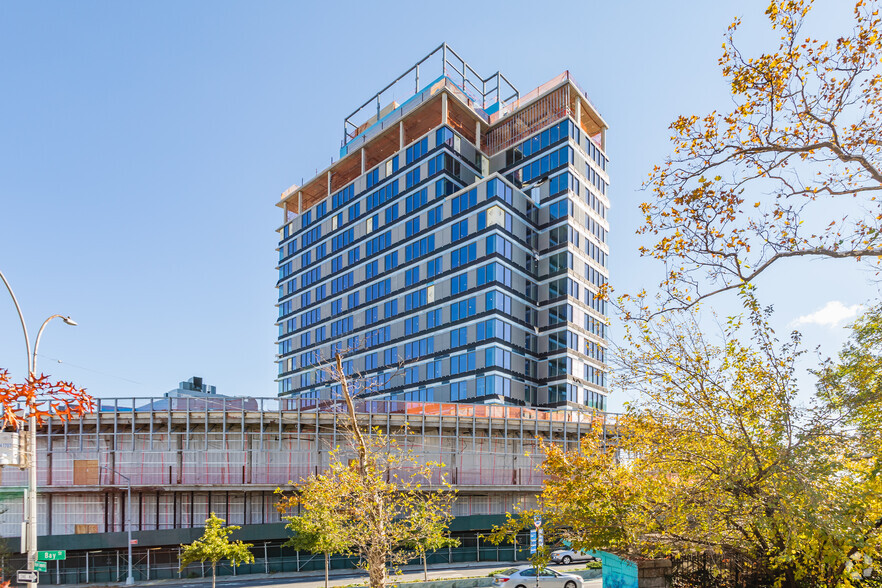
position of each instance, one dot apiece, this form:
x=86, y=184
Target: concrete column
x=578, y=113
x=299, y=211
x=401, y=135
x=329, y=182
x=603, y=139
x=478, y=134
x=444, y=108
x=363, y=159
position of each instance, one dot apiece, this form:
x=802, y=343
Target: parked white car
x=568, y=556
x=525, y=577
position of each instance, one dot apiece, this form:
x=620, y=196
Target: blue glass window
x=443, y=135
x=433, y=318
x=412, y=178
x=416, y=150
x=463, y=255
x=415, y=299
x=416, y=200
x=354, y=255
x=464, y=201
x=392, y=213
x=459, y=230
x=390, y=308
x=412, y=325
x=390, y=261
x=462, y=309
x=459, y=284
x=459, y=337
x=412, y=227
x=373, y=177
x=434, y=267
x=436, y=215
x=412, y=276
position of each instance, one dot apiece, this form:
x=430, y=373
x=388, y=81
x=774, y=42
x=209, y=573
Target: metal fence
x=110, y=565
x=707, y=570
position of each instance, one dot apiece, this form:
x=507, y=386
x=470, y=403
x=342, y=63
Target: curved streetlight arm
x=66, y=319
x=23, y=325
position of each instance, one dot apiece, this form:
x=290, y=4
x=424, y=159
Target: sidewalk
x=336, y=577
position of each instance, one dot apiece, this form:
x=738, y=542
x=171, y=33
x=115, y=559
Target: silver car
x=568, y=556
x=525, y=577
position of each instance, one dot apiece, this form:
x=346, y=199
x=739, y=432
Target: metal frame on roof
x=484, y=91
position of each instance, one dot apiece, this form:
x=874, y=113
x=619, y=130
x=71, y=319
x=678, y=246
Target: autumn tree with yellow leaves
x=718, y=454
x=375, y=498
x=747, y=189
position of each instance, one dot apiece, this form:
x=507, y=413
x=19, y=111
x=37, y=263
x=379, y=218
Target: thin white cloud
x=833, y=314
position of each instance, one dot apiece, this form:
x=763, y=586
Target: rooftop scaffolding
x=487, y=94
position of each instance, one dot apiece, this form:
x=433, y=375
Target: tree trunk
x=213, y=574
x=789, y=578
x=377, y=555
x=377, y=571
x=327, y=564
x=425, y=568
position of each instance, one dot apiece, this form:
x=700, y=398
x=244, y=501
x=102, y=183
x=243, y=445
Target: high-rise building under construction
x=454, y=251
x=462, y=231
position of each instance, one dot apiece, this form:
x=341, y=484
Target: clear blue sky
x=143, y=147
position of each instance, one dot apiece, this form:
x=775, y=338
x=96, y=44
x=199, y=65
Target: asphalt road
x=318, y=581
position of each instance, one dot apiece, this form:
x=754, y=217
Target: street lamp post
x=31, y=503
x=130, y=579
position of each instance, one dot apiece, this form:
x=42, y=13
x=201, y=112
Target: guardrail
x=232, y=404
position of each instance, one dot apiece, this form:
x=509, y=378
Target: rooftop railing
x=442, y=62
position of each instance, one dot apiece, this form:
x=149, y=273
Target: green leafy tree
x=214, y=546
x=853, y=385
x=430, y=528
x=374, y=488
x=319, y=526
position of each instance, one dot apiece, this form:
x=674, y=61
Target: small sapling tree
x=215, y=546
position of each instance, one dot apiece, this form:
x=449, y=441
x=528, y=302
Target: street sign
x=52, y=555
x=537, y=521
x=41, y=566
x=26, y=577
x=9, y=448
x=133, y=542
x=541, y=541
x=532, y=541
